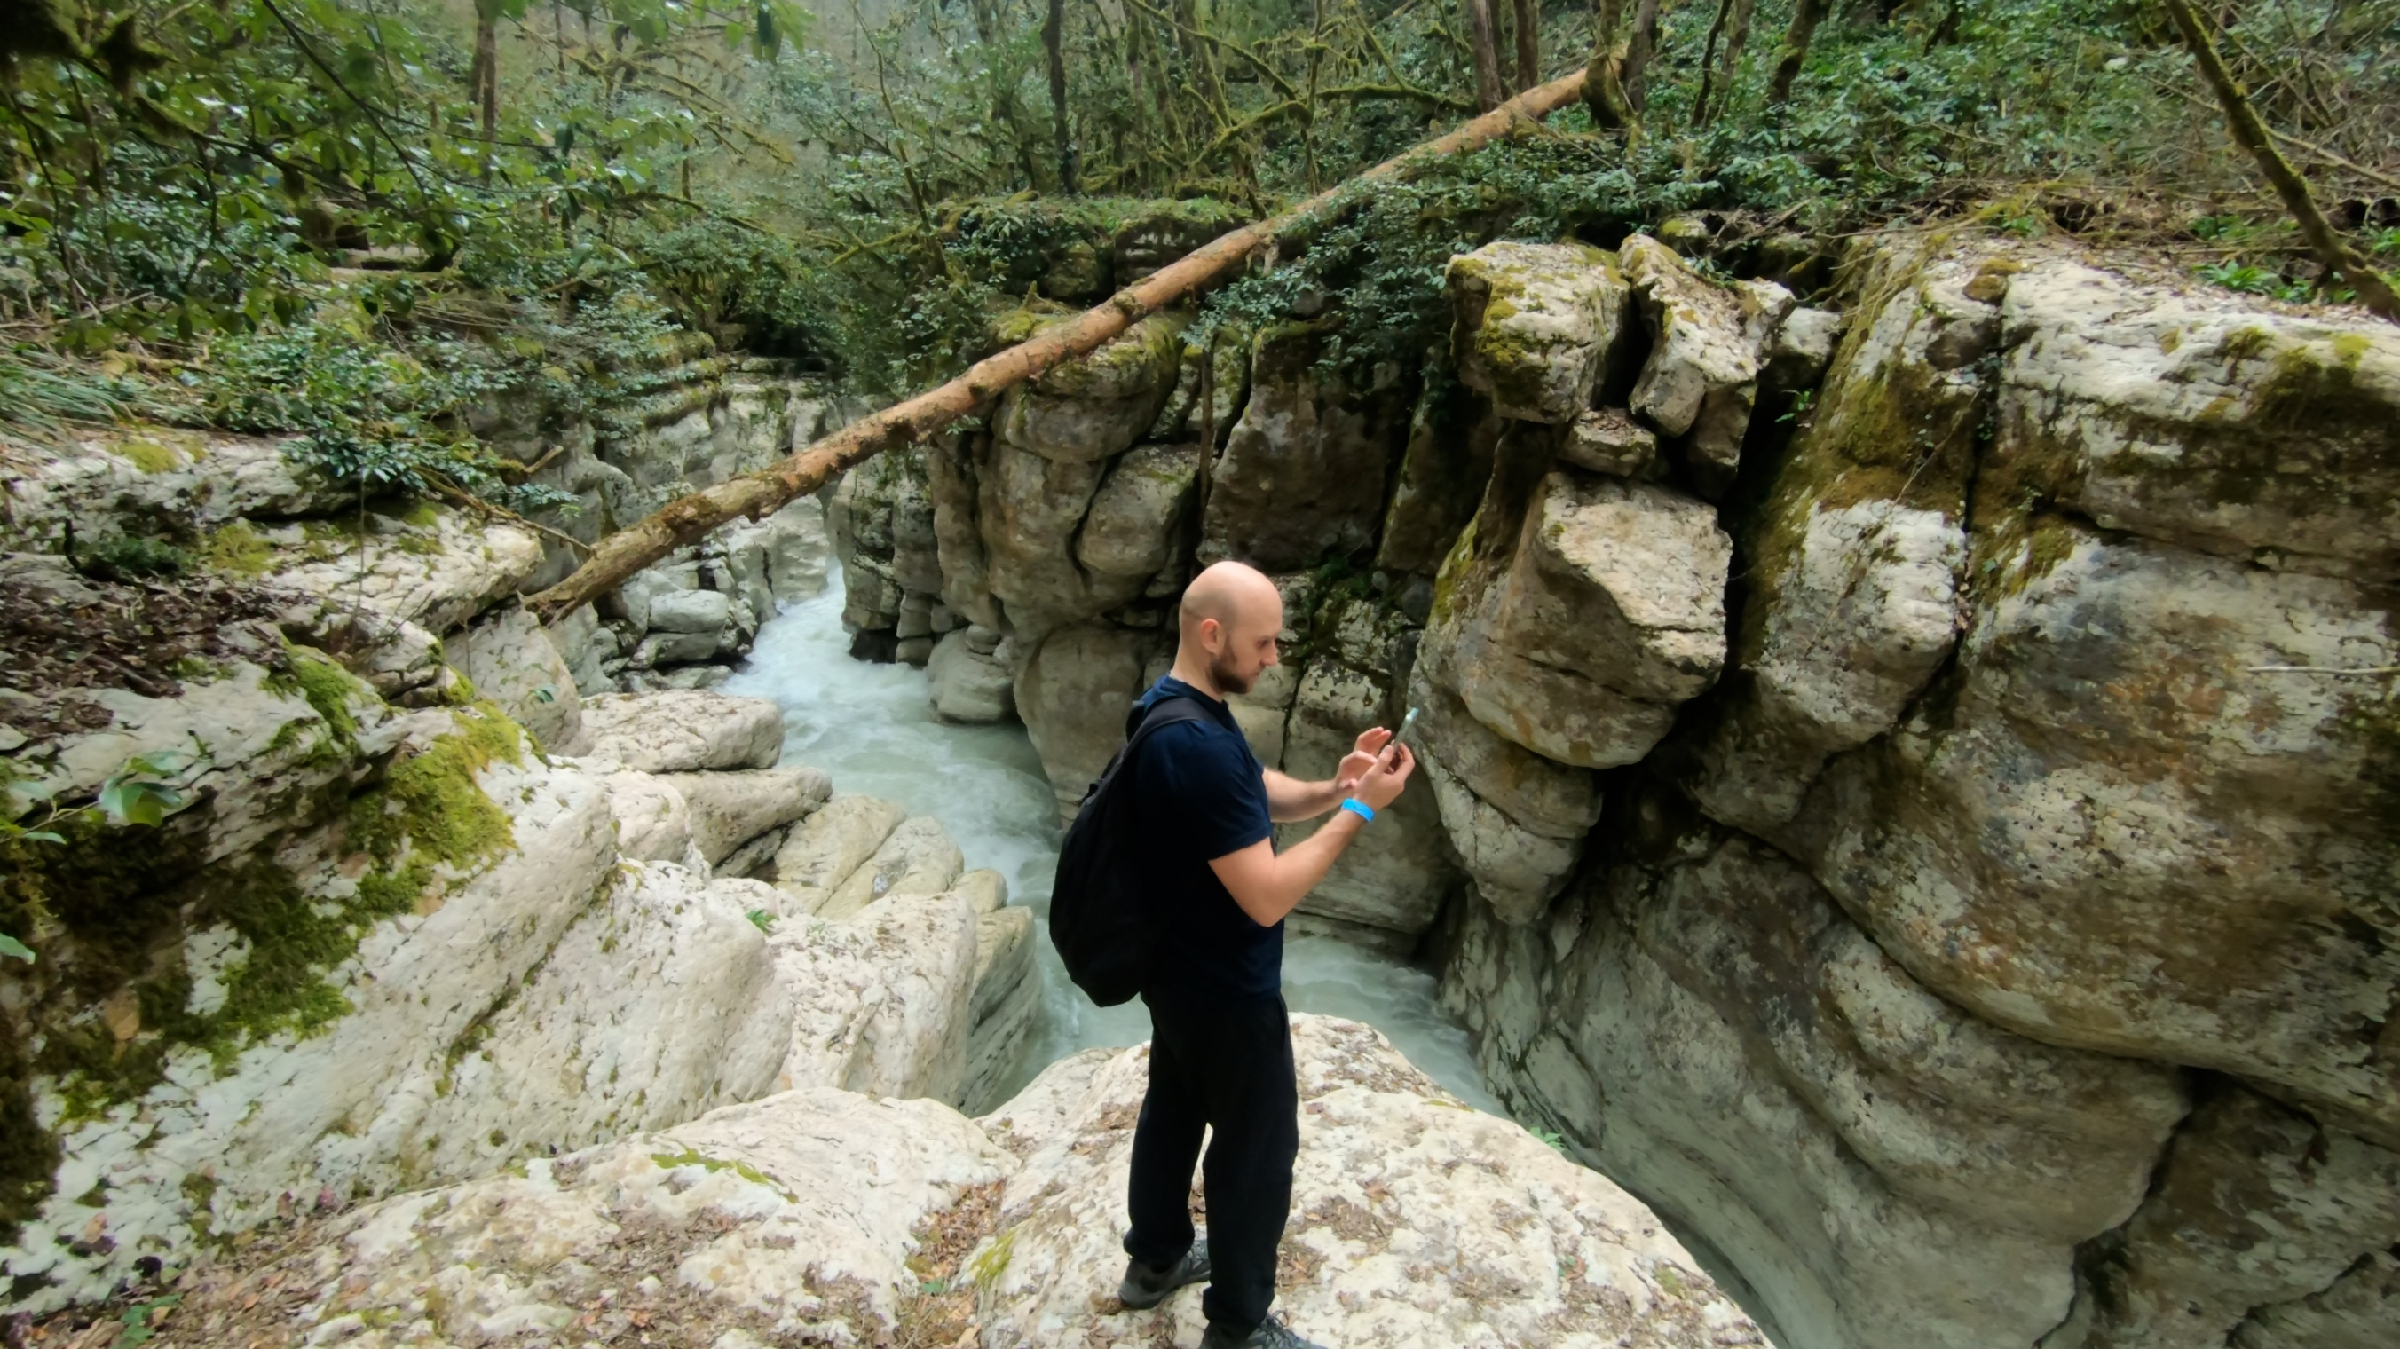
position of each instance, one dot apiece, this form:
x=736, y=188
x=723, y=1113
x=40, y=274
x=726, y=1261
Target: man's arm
x=1268, y=884
x=1290, y=799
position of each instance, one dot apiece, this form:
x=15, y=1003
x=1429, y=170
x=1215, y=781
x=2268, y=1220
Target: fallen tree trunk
x=688, y=519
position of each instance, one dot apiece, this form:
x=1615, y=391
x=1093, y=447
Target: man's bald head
x=1231, y=616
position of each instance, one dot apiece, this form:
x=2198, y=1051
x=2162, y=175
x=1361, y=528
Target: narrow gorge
x=1908, y=831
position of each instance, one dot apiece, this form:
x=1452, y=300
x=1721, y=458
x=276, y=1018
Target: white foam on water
x=872, y=727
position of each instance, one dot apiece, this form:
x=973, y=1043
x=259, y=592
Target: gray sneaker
x=1145, y=1287
x=1271, y=1334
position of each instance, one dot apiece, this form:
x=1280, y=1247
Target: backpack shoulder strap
x=1164, y=712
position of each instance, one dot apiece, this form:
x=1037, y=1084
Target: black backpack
x=1104, y=915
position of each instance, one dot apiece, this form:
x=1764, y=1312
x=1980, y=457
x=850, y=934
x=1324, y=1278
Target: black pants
x=1227, y=1066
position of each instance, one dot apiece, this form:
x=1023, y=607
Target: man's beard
x=1227, y=679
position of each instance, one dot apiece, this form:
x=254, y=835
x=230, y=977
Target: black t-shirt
x=1202, y=794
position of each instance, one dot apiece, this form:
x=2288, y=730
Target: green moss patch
x=237, y=550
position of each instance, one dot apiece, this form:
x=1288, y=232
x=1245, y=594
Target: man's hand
x=1360, y=761
x=1385, y=781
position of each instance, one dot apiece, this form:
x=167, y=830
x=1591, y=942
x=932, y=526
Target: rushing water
x=872, y=727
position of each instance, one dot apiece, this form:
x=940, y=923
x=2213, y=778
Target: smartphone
x=1405, y=723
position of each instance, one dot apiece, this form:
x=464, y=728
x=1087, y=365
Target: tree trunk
x=2250, y=133
x=1054, y=39
x=688, y=519
x=1529, y=43
x=1488, y=92
x=1731, y=68
x=1603, y=79
x=1795, y=50
x=483, y=77
x=1636, y=77
x=1708, y=57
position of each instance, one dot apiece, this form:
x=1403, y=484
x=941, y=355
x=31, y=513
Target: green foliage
x=761, y=919
x=13, y=949
x=2251, y=279
x=126, y=557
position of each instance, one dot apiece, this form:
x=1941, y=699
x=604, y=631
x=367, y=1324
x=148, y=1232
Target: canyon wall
x=1907, y=780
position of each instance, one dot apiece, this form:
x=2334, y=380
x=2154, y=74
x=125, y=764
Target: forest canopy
x=361, y=219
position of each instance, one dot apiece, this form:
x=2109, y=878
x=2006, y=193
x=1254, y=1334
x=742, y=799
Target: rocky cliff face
x=2000, y=893
x=1908, y=781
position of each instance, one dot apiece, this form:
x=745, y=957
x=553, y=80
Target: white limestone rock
x=205, y=481
x=729, y=809
x=1535, y=325
x=1007, y=1005
x=337, y=1107
x=683, y=731
x=247, y=752
x=1611, y=614
x=969, y=686
x=2122, y=833
x=1863, y=614
x=434, y=567
x=1886, y=1170
x=778, y=1221
x=1707, y=344
x=2201, y=419
x=1088, y=409
x=691, y=611
x=1516, y=819
x=1415, y=1221
x=653, y=822
x=917, y=858
x=511, y=660
x=833, y=842
x=1029, y=507
x=1074, y=695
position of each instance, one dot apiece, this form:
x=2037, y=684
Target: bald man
x=1221, y=1039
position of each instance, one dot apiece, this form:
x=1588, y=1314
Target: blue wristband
x=1359, y=808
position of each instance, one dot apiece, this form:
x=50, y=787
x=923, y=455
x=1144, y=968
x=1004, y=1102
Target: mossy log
x=690, y=518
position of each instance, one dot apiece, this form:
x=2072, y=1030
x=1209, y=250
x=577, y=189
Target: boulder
x=834, y=841
x=1415, y=1221
x=1865, y=611
x=510, y=660
x=1707, y=342
x=691, y=611
x=776, y=1221
x=2202, y=419
x=654, y=824
x=1609, y=441
x=1136, y=522
x=1303, y=473
x=1801, y=349
x=1610, y=615
x=1516, y=819
x=1535, y=325
x=729, y=809
x=683, y=731
x=1074, y=695
x=917, y=858
x=434, y=567
x=1085, y=410
x=1029, y=507
x=967, y=685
